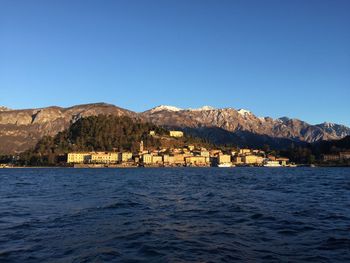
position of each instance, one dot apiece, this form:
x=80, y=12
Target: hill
x=101, y=133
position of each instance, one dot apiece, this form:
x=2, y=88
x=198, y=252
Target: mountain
x=2, y=108
x=243, y=123
x=336, y=130
x=22, y=129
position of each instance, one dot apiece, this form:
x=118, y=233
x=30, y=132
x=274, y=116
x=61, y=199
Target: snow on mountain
x=2, y=108
x=328, y=124
x=336, y=130
x=244, y=112
x=204, y=108
x=173, y=108
x=164, y=108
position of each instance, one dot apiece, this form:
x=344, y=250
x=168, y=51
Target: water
x=175, y=215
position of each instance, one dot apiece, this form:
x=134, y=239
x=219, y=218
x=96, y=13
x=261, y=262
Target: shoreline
x=147, y=167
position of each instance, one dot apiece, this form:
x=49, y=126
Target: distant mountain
x=2, y=108
x=336, y=130
x=242, y=122
x=21, y=129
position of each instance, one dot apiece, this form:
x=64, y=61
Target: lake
x=175, y=215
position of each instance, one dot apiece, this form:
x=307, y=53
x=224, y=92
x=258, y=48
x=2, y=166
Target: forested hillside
x=101, y=133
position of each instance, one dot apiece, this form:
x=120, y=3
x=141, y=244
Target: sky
x=275, y=58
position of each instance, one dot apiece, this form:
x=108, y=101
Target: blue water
x=175, y=215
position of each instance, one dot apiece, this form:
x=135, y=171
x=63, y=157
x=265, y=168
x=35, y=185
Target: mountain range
x=21, y=129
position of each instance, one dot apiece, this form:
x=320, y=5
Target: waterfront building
x=171, y=160
x=104, y=157
x=249, y=159
x=166, y=158
x=344, y=155
x=331, y=157
x=224, y=158
x=237, y=159
x=271, y=158
x=157, y=159
x=125, y=156
x=179, y=159
x=176, y=134
x=252, y=159
x=78, y=157
x=282, y=161
x=196, y=161
x=147, y=158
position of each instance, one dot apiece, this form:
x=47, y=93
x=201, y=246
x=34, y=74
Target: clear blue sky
x=275, y=58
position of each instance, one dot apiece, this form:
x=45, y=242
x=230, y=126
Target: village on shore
x=187, y=156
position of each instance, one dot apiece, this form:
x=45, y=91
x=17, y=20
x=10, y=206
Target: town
x=187, y=156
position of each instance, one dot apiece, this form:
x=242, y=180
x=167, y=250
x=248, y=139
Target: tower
x=141, y=146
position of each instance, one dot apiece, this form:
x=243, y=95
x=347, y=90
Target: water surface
x=175, y=215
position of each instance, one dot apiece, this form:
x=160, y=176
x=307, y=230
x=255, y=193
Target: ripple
x=336, y=244
x=175, y=215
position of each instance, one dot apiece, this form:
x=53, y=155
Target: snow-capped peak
x=203, y=108
x=328, y=124
x=165, y=108
x=244, y=112
x=2, y=108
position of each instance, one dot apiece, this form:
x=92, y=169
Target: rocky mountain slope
x=242, y=122
x=21, y=129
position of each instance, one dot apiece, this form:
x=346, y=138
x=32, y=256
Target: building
x=157, y=159
x=179, y=159
x=271, y=158
x=205, y=153
x=147, y=158
x=237, y=160
x=252, y=159
x=176, y=134
x=104, y=157
x=282, y=161
x=171, y=160
x=125, y=156
x=166, y=158
x=331, y=157
x=78, y=157
x=196, y=161
x=224, y=158
x=344, y=155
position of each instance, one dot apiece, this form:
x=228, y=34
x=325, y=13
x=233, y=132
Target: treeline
x=313, y=153
x=334, y=146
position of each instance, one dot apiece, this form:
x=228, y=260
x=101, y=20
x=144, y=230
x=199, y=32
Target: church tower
x=141, y=147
